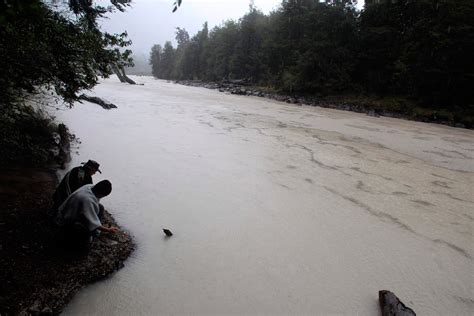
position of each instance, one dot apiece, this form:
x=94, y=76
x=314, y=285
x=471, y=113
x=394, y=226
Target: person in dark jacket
x=73, y=180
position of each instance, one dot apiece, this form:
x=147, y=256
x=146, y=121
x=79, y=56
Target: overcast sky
x=150, y=22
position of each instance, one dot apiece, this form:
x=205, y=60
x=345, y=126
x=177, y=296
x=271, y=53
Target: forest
x=402, y=53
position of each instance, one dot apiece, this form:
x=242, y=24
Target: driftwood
x=120, y=72
x=392, y=306
x=105, y=104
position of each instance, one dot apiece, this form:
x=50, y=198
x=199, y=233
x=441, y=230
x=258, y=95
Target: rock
x=373, y=113
x=392, y=306
x=46, y=311
x=56, y=138
x=301, y=101
x=35, y=308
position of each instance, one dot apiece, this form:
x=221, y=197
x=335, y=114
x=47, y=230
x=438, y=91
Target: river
x=276, y=208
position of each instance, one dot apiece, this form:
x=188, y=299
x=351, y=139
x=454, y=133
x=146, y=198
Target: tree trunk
x=120, y=72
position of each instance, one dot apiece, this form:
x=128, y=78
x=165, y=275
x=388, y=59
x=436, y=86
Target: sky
x=150, y=22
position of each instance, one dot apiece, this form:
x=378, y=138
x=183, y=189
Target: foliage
x=25, y=136
x=176, y=4
x=42, y=48
x=155, y=59
x=59, y=49
x=318, y=44
x=247, y=60
x=220, y=51
x=413, y=49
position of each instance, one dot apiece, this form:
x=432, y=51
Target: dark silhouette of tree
x=220, y=51
x=167, y=61
x=155, y=60
x=246, y=61
x=43, y=48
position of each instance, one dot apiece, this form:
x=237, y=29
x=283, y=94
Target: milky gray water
x=276, y=208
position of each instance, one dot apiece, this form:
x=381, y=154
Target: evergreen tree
x=181, y=68
x=246, y=61
x=155, y=60
x=167, y=63
x=220, y=50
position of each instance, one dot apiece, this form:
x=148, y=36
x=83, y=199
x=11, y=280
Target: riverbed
x=276, y=208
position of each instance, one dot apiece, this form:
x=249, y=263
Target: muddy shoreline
x=37, y=276
x=240, y=87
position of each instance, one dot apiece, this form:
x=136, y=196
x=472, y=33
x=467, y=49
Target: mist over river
x=276, y=208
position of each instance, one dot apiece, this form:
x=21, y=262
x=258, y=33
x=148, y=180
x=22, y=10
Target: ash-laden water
x=277, y=208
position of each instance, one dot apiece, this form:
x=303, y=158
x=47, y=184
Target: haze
x=150, y=22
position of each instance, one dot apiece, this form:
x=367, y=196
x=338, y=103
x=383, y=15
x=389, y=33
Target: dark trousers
x=76, y=235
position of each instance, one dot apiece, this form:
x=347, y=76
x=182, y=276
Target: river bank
x=36, y=275
x=388, y=107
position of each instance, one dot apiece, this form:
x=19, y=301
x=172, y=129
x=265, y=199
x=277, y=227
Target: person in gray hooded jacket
x=79, y=217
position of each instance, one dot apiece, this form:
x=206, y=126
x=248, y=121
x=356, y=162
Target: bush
x=26, y=137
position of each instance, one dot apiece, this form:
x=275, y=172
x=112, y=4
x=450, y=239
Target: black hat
x=92, y=164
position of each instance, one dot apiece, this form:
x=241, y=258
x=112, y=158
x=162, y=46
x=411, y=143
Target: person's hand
x=113, y=229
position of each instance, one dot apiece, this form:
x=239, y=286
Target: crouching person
x=79, y=217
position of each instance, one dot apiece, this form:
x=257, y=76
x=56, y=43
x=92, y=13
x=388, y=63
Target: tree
x=220, y=50
x=180, y=64
x=421, y=49
x=167, y=61
x=317, y=46
x=201, y=41
x=42, y=48
x=155, y=59
x=247, y=58
x=46, y=49
x=437, y=47
x=380, y=38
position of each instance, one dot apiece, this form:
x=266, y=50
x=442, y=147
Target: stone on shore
x=37, y=276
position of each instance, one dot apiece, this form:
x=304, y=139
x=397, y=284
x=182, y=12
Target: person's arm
x=111, y=229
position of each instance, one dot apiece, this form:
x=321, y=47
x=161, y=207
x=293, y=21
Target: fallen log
x=392, y=306
x=105, y=104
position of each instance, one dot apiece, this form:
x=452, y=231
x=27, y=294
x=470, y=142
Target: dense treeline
x=418, y=49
